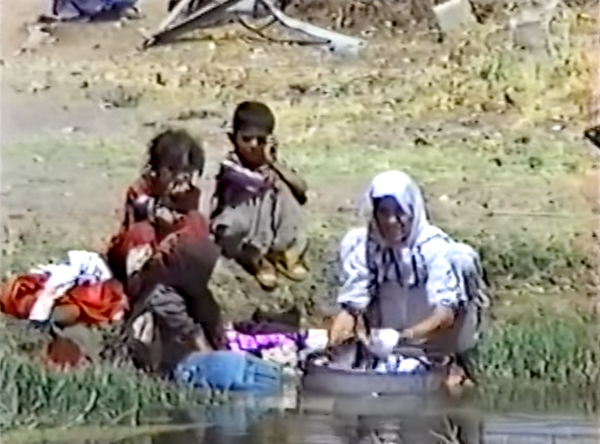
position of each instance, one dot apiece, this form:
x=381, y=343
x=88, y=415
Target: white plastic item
x=383, y=341
x=316, y=339
x=398, y=364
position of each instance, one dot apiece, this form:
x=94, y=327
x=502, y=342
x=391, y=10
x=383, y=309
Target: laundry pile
x=81, y=289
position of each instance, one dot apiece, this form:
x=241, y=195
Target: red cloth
x=98, y=303
x=192, y=225
x=20, y=293
x=62, y=354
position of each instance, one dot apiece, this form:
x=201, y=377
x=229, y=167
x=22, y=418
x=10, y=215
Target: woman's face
x=393, y=223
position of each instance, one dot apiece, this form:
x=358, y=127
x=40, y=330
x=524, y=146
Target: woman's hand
x=341, y=329
x=406, y=335
x=441, y=319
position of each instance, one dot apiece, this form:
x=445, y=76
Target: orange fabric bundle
x=97, y=303
x=20, y=293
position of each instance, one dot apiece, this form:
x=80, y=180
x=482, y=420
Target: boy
x=257, y=219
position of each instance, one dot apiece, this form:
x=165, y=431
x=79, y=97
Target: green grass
x=558, y=350
x=35, y=398
x=107, y=394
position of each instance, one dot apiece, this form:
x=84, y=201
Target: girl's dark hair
x=254, y=115
x=176, y=150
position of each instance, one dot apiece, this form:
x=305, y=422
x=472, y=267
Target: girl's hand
x=182, y=184
x=165, y=216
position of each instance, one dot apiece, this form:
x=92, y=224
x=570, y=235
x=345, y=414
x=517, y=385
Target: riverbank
x=107, y=394
x=493, y=136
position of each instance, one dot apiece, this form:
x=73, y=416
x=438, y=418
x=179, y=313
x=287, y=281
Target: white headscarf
x=401, y=263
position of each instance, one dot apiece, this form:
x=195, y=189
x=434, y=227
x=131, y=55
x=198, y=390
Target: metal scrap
x=189, y=15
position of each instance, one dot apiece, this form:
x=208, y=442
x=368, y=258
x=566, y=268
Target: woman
x=403, y=273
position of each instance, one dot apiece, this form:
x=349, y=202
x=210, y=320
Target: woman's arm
x=441, y=319
x=353, y=296
x=444, y=293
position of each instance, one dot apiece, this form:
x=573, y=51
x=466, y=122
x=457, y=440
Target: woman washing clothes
x=403, y=273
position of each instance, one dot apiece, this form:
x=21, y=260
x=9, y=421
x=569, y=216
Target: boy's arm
x=297, y=184
x=292, y=178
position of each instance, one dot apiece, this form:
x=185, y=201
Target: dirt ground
x=77, y=113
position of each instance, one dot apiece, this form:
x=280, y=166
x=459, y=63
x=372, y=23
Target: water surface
x=293, y=419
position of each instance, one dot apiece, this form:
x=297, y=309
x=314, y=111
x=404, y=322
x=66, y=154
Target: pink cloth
x=251, y=343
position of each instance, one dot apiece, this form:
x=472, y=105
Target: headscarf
x=403, y=264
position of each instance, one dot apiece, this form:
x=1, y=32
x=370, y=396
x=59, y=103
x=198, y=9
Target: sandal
x=266, y=274
x=290, y=263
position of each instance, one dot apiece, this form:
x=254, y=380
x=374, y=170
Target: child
x=162, y=205
x=257, y=219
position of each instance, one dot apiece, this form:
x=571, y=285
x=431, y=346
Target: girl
x=162, y=205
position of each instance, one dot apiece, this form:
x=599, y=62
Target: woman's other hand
x=342, y=328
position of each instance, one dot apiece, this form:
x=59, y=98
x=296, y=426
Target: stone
x=36, y=87
x=529, y=36
x=454, y=16
x=530, y=28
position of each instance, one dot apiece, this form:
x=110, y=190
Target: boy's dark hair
x=255, y=115
x=176, y=150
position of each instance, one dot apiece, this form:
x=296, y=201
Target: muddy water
x=291, y=419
